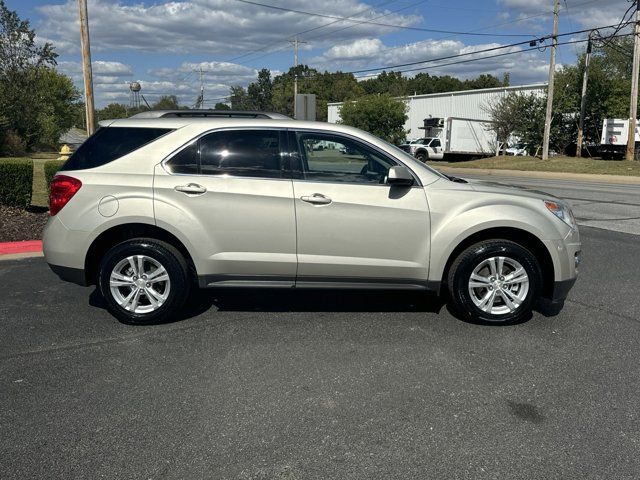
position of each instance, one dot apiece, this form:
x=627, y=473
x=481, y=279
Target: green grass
x=554, y=164
x=40, y=196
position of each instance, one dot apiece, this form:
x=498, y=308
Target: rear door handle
x=191, y=189
x=316, y=199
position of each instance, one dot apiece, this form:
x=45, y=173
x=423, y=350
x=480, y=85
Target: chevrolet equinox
x=149, y=209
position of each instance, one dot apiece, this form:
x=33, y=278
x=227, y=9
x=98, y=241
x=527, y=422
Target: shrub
x=16, y=181
x=13, y=145
x=50, y=169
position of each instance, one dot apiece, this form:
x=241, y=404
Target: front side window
x=111, y=143
x=435, y=143
x=244, y=153
x=332, y=158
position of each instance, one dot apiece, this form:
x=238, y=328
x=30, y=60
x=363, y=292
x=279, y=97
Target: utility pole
x=552, y=72
x=583, y=102
x=86, y=66
x=295, y=42
x=633, y=110
x=200, y=100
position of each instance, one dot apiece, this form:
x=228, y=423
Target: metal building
x=464, y=104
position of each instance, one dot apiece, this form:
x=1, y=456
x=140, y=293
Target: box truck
x=453, y=137
x=613, y=143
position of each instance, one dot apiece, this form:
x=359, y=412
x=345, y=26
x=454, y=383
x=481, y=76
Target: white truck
x=615, y=132
x=453, y=137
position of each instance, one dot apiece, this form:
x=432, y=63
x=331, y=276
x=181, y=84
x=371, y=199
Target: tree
x=59, y=101
x=518, y=115
x=259, y=92
x=222, y=106
x=239, y=99
x=381, y=115
x=21, y=66
x=166, y=102
x=112, y=111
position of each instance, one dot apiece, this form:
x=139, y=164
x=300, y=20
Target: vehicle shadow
x=290, y=300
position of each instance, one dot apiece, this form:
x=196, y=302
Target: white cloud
x=368, y=53
x=212, y=26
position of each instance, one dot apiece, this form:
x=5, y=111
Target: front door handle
x=191, y=189
x=316, y=199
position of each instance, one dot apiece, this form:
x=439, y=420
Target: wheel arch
x=522, y=237
x=120, y=233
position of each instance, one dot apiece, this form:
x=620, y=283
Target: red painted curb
x=27, y=246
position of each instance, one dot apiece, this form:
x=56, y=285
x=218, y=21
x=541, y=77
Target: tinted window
x=435, y=143
x=185, y=161
x=110, y=143
x=245, y=153
x=329, y=158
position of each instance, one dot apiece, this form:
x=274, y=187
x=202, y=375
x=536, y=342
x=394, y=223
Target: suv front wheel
x=495, y=281
x=144, y=281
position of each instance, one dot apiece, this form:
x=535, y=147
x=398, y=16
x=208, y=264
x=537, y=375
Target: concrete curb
x=581, y=177
x=19, y=248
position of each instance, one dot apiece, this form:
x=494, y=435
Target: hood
x=501, y=188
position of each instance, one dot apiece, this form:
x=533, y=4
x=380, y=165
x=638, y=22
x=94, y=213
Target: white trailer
x=454, y=137
x=615, y=132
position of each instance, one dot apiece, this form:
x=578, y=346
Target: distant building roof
x=74, y=136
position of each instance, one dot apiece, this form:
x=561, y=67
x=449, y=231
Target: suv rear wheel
x=495, y=281
x=144, y=281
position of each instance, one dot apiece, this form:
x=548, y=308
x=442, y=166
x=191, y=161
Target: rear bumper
x=68, y=274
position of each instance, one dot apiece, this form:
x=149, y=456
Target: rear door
x=229, y=195
x=353, y=228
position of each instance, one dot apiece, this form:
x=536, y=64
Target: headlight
x=562, y=211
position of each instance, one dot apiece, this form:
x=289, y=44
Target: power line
x=487, y=57
x=379, y=24
x=492, y=49
x=307, y=31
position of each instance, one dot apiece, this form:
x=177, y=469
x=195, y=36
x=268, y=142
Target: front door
x=352, y=226
x=435, y=149
x=228, y=195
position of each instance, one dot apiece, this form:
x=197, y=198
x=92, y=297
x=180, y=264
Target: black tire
x=463, y=266
x=167, y=256
x=422, y=156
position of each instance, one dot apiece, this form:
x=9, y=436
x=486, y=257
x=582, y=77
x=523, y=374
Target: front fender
x=455, y=228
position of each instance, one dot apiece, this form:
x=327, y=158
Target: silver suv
x=149, y=209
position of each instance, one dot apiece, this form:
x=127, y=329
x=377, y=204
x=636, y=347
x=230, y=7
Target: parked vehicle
x=424, y=149
x=150, y=209
x=451, y=138
x=613, y=142
x=517, y=150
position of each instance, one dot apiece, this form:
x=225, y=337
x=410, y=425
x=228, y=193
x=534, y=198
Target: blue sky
x=162, y=43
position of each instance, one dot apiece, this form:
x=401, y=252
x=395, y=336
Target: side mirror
x=400, y=176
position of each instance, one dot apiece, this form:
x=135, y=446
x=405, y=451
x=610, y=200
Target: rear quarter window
x=111, y=143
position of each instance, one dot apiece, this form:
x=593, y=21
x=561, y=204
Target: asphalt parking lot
x=261, y=385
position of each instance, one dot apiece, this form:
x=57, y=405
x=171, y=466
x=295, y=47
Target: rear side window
x=238, y=153
x=109, y=144
x=241, y=153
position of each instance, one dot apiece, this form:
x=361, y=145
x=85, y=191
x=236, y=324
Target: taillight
x=63, y=188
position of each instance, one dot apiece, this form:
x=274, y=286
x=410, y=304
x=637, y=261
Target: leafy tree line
x=37, y=104
x=276, y=93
